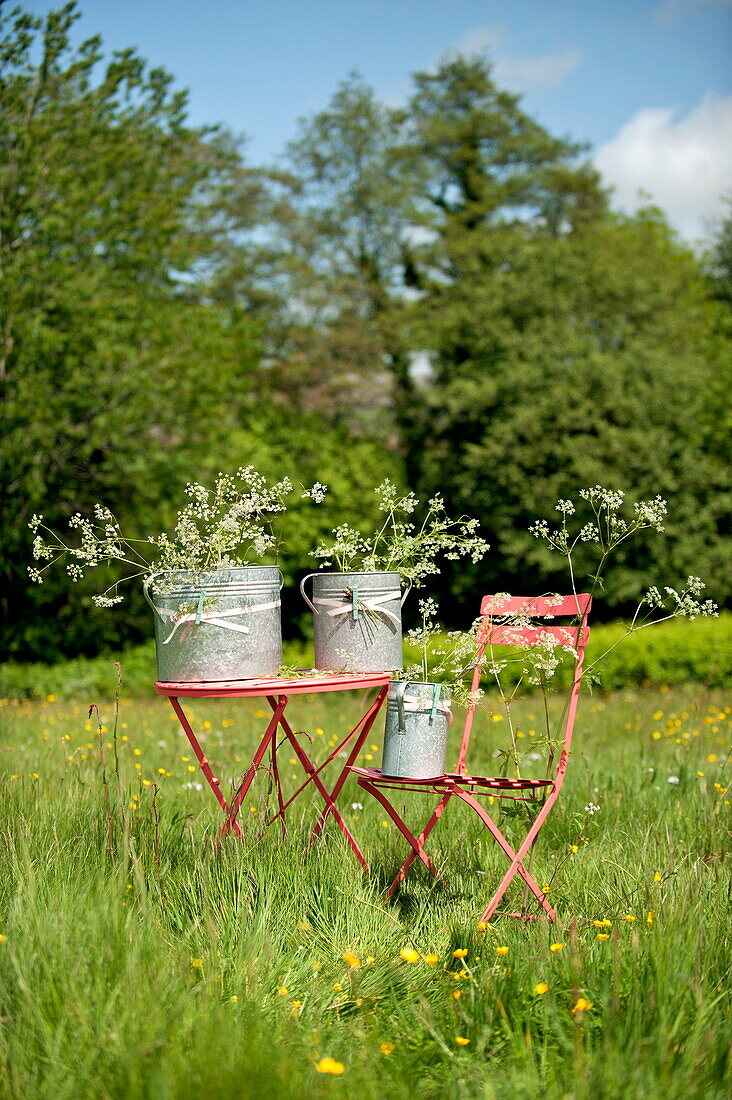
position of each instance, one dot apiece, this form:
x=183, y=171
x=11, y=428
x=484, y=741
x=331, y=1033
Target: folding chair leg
x=516, y=858
x=415, y=843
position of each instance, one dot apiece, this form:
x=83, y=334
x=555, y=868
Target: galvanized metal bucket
x=358, y=620
x=216, y=624
x=418, y=716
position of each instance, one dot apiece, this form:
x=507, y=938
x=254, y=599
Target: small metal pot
x=358, y=620
x=418, y=716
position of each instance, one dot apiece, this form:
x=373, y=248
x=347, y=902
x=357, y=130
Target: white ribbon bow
x=371, y=603
x=216, y=618
x=415, y=704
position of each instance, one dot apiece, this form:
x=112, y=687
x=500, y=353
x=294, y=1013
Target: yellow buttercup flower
x=555, y=947
x=461, y=1042
x=456, y=994
x=386, y=1048
x=460, y=953
x=541, y=988
x=282, y=991
x=630, y=918
x=582, y=1005
x=603, y=936
x=431, y=959
x=502, y=950
x=329, y=1065
x=197, y=964
x=409, y=954
x=353, y=961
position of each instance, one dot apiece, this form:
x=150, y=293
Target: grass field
x=138, y=961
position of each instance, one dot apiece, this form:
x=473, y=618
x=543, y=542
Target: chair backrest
x=510, y=621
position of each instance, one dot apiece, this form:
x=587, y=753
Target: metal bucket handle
x=400, y=690
x=399, y=693
x=314, y=609
x=161, y=573
x=145, y=586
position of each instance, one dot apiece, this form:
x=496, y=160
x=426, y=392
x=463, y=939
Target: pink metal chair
x=505, y=621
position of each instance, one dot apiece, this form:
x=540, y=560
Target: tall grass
x=141, y=960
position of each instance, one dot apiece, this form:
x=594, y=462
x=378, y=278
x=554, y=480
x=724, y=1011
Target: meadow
x=137, y=959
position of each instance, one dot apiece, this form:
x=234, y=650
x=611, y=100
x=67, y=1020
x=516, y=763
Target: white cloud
x=523, y=74
x=670, y=12
x=683, y=163
x=489, y=37
x=517, y=73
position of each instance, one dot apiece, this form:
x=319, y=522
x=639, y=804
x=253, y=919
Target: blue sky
x=647, y=83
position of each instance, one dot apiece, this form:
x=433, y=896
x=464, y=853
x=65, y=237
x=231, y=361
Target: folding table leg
x=366, y=723
x=516, y=858
x=274, y=722
x=209, y=776
x=278, y=786
x=314, y=777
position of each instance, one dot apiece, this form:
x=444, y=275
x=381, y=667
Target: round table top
x=310, y=682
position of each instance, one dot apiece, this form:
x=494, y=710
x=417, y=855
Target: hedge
x=676, y=652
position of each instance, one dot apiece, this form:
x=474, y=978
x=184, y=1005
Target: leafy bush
x=675, y=652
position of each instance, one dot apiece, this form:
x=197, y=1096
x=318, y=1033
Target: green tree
x=587, y=359
x=118, y=380
x=338, y=226
x=719, y=259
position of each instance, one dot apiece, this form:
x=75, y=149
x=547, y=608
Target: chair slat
x=539, y=606
x=499, y=634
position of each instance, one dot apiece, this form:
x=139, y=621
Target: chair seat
x=451, y=779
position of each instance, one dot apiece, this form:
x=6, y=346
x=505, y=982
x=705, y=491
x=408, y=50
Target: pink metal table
x=278, y=692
